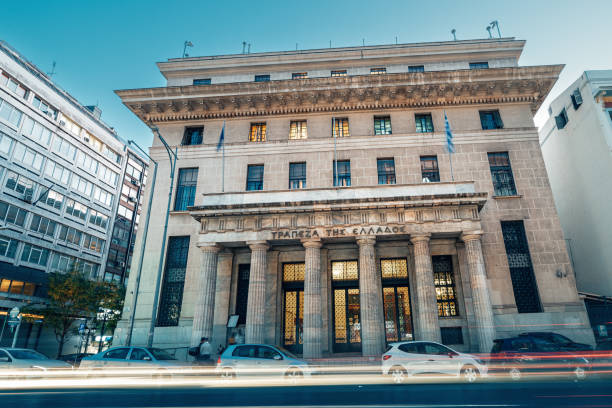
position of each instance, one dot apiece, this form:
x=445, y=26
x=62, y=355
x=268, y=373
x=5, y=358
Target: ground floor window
x=293, y=301
x=171, y=298
x=396, y=299
x=347, y=324
x=242, y=292
x=444, y=281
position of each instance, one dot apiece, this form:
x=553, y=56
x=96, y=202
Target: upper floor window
x=76, y=209
x=342, y=173
x=43, y=225
x=576, y=98
x=34, y=255
x=262, y=78
x=255, y=176
x=44, y=107
x=185, y=189
x=8, y=248
x=386, y=171
x=382, y=125
x=491, y=120
x=35, y=131
x=11, y=214
x=297, y=130
x=10, y=113
x=13, y=85
x=339, y=73
x=501, y=173
x=258, y=132
x=297, y=175
x=28, y=157
x=378, y=71
x=424, y=123
x=5, y=144
x=21, y=185
x=416, y=68
x=429, y=169
x=192, y=136
x=479, y=65
x=561, y=119
x=52, y=199
x=201, y=81
x=299, y=75
x=340, y=127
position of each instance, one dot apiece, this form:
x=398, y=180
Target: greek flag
x=221, y=138
x=449, y=136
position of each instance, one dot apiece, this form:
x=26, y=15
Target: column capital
x=261, y=245
x=312, y=243
x=209, y=247
x=366, y=240
x=414, y=238
x=471, y=235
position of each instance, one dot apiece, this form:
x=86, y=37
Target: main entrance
x=347, y=325
x=293, y=301
x=396, y=299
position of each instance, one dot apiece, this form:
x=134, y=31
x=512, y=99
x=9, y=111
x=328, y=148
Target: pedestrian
x=205, y=350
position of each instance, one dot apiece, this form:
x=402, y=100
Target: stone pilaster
x=313, y=323
x=205, y=289
x=222, y=298
x=256, y=305
x=370, y=298
x=428, y=327
x=483, y=311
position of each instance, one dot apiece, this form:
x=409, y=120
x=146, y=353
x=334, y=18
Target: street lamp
x=142, y=248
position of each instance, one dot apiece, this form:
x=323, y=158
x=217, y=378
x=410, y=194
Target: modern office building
x=577, y=148
x=332, y=219
x=61, y=173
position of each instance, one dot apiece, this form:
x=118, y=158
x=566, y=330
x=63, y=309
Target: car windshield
x=160, y=354
x=559, y=339
x=28, y=355
x=287, y=353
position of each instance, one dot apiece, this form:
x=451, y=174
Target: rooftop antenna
x=396, y=40
x=329, y=43
x=248, y=48
x=363, y=42
x=243, y=47
x=453, y=32
x=296, y=46
x=489, y=31
x=52, y=72
x=187, y=44
x=495, y=24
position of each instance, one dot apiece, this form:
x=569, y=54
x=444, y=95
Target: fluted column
x=256, y=305
x=483, y=311
x=370, y=299
x=428, y=327
x=313, y=322
x=205, y=283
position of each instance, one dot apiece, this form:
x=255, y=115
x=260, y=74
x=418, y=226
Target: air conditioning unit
x=132, y=199
x=86, y=139
x=121, y=264
x=28, y=196
x=62, y=123
x=135, y=182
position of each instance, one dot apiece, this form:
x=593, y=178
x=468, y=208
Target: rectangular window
x=93, y=243
x=87, y=163
x=8, y=247
x=521, y=269
x=64, y=148
x=424, y=123
x=382, y=125
x=386, y=171
x=44, y=107
x=344, y=174
x=81, y=185
x=52, y=199
x=43, y=225
x=501, y=174
x=70, y=235
x=62, y=263
x=561, y=119
x=444, y=282
x=378, y=71
x=299, y=75
x=107, y=175
x=12, y=215
x=242, y=292
x=57, y=172
x=76, y=209
x=339, y=73
x=102, y=196
x=491, y=120
x=340, y=127
x=111, y=154
x=99, y=219
x=429, y=169
x=255, y=177
x=479, y=65
x=10, y=113
x=185, y=189
x=576, y=98
x=297, y=175
x=34, y=255
x=14, y=86
x=394, y=268
x=193, y=136
x=262, y=78
x=201, y=81
x=416, y=68
x=171, y=298
x=298, y=130
x=5, y=144
x=35, y=131
x=258, y=132
x=28, y=157
x=20, y=185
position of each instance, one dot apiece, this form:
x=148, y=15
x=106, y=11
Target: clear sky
x=100, y=46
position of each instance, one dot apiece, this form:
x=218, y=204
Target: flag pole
x=450, y=159
x=223, y=163
x=450, y=147
x=335, y=135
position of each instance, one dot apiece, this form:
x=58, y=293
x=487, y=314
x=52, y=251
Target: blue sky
x=100, y=46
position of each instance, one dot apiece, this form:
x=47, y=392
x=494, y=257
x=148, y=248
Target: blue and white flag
x=449, y=136
x=221, y=138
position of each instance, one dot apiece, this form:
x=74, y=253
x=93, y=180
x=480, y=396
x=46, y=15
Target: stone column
x=256, y=305
x=428, y=327
x=313, y=322
x=483, y=311
x=205, y=284
x=370, y=299
x=222, y=298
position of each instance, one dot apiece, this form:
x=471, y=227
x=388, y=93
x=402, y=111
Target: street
x=592, y=393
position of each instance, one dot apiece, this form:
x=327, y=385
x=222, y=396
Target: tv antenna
x=489, y=31
x=453, y=32
x=244, y=47
x=495, y=24
x=52, y=72
x=185, y=45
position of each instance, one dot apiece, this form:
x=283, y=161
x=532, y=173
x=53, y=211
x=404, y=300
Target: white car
x=404, y=359
x=16, y=361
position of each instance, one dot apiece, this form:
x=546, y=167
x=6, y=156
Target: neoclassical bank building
x=332, y=219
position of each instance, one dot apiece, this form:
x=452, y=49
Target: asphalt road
x=591, y=393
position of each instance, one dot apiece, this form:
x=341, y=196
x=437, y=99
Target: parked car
x=16, y=361
x=527, y=354
x=559, y=340
x=75, y=358
x=134, y=357
x=409, y=358
x=257, y=359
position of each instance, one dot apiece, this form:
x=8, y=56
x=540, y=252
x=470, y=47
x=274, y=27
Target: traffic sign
x=82, y=328
x=14, y=318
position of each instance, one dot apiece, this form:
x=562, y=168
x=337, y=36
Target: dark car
x=74, y=359
x=559, y=340
x=532, y=355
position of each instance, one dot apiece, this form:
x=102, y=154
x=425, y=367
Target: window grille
x=386, y=171
x=429, y=169
x=339, y=73
x=341, y=127
x=491, y=120
x=501, y=174
x=444, y=282
x=185, y=189
x=394, y=268
x=294, y=272
x=378, y=71
x=424, y=123
x=171, y=298
x=382, y=125
x=258, y=132
x=255, y=175
x=297, y=175
x=344, y=174
x=345, y=270
x=298, y=130
x=299, y=75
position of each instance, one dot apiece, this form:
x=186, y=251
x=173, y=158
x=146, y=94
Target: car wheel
x=294, y=375
x=470, y=373
x=398, y=374
x=515, y=373
x=580, y=373
x=227, y=374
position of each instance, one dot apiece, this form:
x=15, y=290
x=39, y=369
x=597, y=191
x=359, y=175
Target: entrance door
x=347, y=325
x=398, y=324
x=294, y=319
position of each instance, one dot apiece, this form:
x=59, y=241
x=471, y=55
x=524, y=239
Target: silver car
x=410, y=358
x=257, y=359
x=133, y=357
x=16, y=361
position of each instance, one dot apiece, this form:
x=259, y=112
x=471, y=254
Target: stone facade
x=411, y=241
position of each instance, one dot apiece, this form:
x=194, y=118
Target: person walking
x=205, y=350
